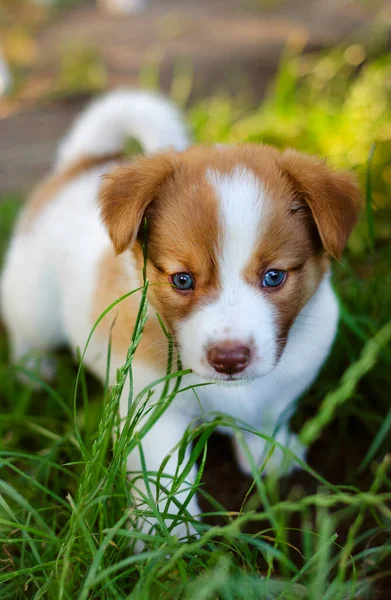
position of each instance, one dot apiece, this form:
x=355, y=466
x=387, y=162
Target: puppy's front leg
x=150, y=492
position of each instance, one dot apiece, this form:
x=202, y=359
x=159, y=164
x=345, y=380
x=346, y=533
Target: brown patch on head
x=127, y=192
x=182, y=233
x=288, y=241
x=182, y=236
x=333, y=198
x=310, y=210
x=50, y=186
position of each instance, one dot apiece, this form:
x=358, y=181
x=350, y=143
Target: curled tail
x=105, y=124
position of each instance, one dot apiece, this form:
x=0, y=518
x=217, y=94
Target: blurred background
x=57, y=52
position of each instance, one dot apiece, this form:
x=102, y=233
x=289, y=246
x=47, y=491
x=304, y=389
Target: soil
x=335, y=457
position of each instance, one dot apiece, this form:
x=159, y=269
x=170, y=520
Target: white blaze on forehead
x=242, y=204
x=241, y=312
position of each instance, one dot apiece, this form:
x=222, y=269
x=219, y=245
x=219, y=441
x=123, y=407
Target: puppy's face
x=237, y=242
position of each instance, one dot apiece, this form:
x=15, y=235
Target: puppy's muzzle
x=229, y=357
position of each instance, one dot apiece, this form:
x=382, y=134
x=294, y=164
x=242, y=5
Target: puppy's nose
x=229, y=357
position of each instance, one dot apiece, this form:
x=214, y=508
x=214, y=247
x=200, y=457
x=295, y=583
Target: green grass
x=325, y=534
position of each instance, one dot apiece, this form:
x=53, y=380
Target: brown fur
x=182, y=235
x=50, y=186
x=181, y=212
x=126, y=193
x=333, y=198
x=112, y=283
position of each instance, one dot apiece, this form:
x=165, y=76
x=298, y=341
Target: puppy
x=239, y=240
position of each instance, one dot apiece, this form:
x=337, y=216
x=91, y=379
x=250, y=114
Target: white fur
x=240, y=313
x=106, y=123
x=50, y=277
x=125, y=7
x=5, y=75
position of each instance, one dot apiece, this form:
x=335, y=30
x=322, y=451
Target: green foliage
x=80, y=71
x=65, y=502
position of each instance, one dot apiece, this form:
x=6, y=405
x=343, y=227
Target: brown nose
x=229, y=357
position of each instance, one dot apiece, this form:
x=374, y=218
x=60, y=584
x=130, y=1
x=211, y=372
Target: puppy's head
x=238, y=240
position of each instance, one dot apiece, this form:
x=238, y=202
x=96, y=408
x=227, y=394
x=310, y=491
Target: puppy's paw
x=279, y=462
x=256, y=446
x=282, y=462
x=181, y=530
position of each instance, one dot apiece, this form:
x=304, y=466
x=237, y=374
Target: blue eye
x=182, y=281
x=274, y=278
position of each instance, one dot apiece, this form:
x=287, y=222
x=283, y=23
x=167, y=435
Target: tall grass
x=68, y=525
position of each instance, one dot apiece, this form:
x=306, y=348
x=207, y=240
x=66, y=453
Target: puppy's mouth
x=243, y=378
x=232, y=381
x=227, y=380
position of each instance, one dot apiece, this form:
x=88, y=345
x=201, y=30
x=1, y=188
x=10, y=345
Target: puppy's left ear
x=333, y=197
x=126, y=193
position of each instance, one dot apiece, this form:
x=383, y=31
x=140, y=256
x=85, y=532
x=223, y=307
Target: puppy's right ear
x=126, y=193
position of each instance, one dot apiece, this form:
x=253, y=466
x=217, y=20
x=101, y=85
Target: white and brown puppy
x=240, y=237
